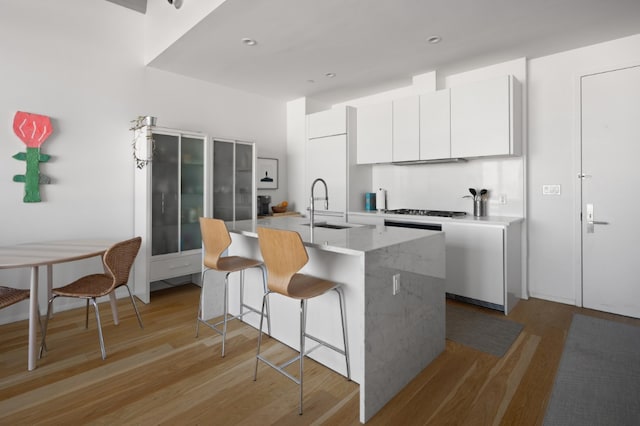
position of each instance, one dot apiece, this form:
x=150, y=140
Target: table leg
x=33, y=318
x=114, y=306
x=49, y=284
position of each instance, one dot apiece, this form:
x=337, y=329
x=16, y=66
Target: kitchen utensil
x=483, y=194
x=473, y=192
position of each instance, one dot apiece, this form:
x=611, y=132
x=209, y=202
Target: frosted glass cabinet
x=177, y=193
x=171, y=194
x=233, y=180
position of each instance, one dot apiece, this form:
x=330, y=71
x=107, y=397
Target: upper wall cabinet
x=327, y=123
x=375, y=133
x=485, y=118
x=406, y=135
x=435, y=125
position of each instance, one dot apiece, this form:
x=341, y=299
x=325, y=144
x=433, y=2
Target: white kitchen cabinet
x=171, y=193
x=484, y=264
x=435, y=125
x=333, y=158
x=375, y=133
x=328, y=161
x=485, y=118
x=406, y=132
x=327, y=123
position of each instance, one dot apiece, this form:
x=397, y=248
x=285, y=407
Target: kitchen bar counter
x=394, y=332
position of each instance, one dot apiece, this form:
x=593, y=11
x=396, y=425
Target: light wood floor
x=164, y=375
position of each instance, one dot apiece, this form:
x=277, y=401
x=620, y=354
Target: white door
x=610, y=125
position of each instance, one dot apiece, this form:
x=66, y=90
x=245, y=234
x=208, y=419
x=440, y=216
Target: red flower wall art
x=33, y=130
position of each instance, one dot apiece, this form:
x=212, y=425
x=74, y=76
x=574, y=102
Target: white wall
x=82, y=65
x=554, y=250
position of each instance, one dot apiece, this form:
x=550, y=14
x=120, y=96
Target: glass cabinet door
x=244, y=181
x=223, y=180
x=164, y=195
x=192, y=192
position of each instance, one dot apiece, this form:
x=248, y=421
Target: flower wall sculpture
x=33, y=130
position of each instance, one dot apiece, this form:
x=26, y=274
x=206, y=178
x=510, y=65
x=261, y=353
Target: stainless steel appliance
x=263, y=205
x=417, y=212
x=413, y=225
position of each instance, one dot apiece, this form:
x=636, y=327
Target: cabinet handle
x=162, y=204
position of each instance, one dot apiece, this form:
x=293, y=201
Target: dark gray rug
x=598, y=381
x=480, y=331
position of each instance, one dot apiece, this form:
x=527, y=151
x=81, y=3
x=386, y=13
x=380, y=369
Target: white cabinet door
x=406, y=129
x=327, y=123
x=435, y=125
x=327, y=159
x=475, y=262
x=484, y=117
x=374, y=134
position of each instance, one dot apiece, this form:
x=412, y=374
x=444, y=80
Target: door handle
x=590, y=221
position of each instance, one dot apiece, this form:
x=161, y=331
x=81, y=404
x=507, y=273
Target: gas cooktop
x=416, y=212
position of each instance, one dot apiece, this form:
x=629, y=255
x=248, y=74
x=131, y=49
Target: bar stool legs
x=226, y=318
x=303, y=336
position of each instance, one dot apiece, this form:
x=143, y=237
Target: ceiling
x=376, y=45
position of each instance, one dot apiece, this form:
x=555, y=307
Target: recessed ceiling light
x=249, y=41
x=434, y=39
x=330, y=74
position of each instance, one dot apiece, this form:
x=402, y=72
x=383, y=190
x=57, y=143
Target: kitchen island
x=393, y=282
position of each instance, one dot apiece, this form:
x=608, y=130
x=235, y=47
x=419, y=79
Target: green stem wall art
x=33, y=130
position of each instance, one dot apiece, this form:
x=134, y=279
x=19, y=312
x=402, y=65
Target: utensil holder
x=479, y=208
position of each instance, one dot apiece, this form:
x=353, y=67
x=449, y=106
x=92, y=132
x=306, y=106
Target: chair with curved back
x=216, y=240
x=118, y=261
x=10, y=296
x=284, y=255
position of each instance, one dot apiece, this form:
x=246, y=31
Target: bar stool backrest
x=216, y=239
x=284, y=255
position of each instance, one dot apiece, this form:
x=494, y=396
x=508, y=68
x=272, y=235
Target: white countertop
x=356, y=239
x=470, y=219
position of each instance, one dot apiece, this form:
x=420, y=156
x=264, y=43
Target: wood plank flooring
x=162, y=374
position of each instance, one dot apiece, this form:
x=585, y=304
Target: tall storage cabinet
x=233, y=183
x=331, y=155
x=171, y=193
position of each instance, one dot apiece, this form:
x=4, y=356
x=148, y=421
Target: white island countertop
x=393, y=281
x=354, y=239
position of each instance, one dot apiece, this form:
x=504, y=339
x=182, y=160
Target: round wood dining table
x=34, y=255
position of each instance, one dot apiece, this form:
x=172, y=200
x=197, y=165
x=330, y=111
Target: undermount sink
x=331, y=226
x=328, y=225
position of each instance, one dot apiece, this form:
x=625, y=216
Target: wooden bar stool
x=216, y=239
x=284, y=255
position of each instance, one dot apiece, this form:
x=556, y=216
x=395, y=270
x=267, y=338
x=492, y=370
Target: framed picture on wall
x=267, y=172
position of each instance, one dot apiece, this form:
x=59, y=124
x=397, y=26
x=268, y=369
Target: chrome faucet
x=312, y=207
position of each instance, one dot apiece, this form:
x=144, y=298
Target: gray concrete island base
x=392, y=337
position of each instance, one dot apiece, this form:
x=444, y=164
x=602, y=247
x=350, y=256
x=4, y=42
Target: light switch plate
x=551, y=189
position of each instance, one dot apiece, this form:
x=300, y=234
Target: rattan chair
x=10, y=296
x=284, y=255
x=118, y=260
x=216, y=240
